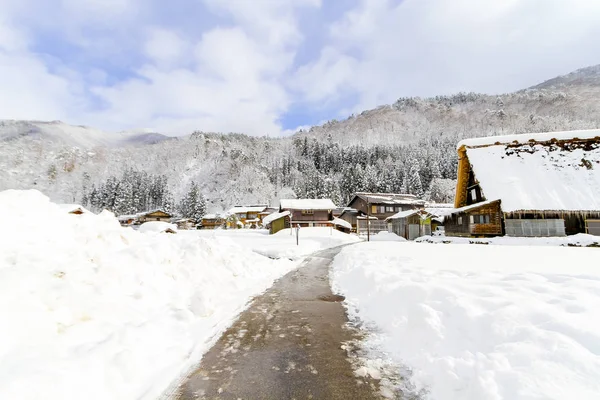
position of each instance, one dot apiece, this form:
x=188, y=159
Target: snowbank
x=579, y=240
x=89, y=309
x=157, y=227
x=384, y=236
x=487, y=324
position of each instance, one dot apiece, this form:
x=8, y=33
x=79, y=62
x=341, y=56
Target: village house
x=378, y=206
x=309, y=212
x=248, y=215
x=211, y=221
x=154, y=215
x=545, y=184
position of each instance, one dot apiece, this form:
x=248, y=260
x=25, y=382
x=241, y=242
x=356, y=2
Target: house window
x=460, y=220
x=389, y=209
x=473, y=194
x=381, y=209
x=481, y=219
x=373, y=209
x=308, y=212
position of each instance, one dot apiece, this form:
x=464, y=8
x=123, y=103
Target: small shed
x=410, y=224
x=276, y=222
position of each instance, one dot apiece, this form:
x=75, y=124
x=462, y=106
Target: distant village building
x=309, y=212
x=248, y=215
x=545, y=184
x=142, y=217
x=379, y=207
x=74, y=209
x=212, y=221
x=154, y=215
x=350, y=216
x=185, y=224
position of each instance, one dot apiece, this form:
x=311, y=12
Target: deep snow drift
x=478, y=322
x=91, y=310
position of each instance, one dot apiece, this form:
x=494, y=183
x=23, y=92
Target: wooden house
x=128, y=219
x=309, y=212
x=154, y=215
x=276, y=222
x=211, y=221
x=410, y=224
x=379, y=207
x=545, y=184
x=248, y=215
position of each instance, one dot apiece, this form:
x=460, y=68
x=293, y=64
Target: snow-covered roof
x=158, y=226
x=389, y=198
x=342, y=223
x=525, y=138
x=272, y=217
x=403, y=214
x=307, y=204
x=439, y=210
x=540, y=176
x=473, y=206
x=212, y=216
x=247, y=209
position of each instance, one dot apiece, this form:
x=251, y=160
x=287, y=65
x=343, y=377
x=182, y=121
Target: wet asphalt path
x=286, y=345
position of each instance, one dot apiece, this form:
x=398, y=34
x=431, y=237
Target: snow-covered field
x=91, y=310
x=478, y=322
x=283, y=243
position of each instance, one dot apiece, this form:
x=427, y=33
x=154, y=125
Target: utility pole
x=368, y=220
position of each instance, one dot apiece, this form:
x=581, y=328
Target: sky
x=268, y=67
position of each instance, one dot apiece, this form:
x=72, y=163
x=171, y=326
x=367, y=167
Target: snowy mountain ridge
x=407, y=146
x=74, y=135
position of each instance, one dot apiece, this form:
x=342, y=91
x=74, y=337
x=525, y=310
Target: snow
x=390, y=198
x=307, y=204
x=385, y=236
x=472, y=206
x=157, y=227
x=283, y=243
x=341, y=222
x=91, y=310
x=579, y=240
x=476, y=323
x=524, y=138
x=403, y=214
x=538, y=177
x=272, y=217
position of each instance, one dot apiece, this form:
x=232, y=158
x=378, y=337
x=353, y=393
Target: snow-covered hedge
x=89, y=309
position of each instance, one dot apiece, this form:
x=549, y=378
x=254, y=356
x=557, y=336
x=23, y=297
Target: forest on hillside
x=408, y=147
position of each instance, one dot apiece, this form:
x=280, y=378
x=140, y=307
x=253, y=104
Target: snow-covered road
x=478, y=321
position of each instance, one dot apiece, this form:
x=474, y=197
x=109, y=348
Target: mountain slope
x=405, y=146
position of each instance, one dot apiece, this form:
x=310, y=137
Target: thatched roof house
x=545, y=184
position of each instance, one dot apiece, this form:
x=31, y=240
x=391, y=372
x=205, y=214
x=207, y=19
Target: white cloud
x=429, y=47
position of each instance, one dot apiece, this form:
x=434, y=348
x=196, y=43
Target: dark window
x=481, y=219
x=389, y=209
x=308, y=212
